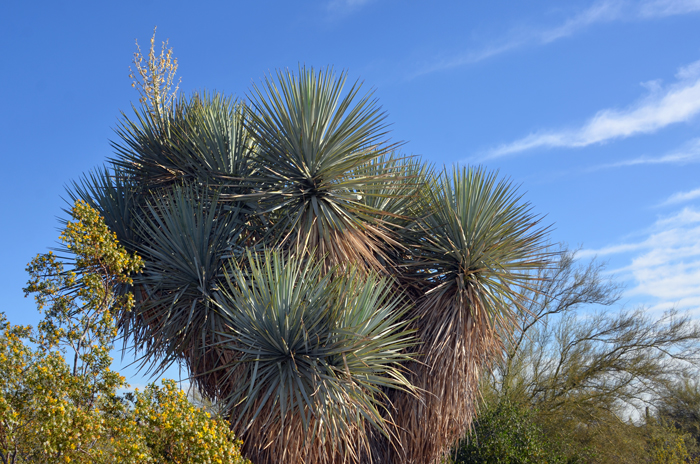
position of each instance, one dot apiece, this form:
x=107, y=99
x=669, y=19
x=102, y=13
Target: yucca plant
x=167, y=195
x=185, y=235
x=200, y=138
x=337, y=298
x=312, y=355
x=311, y=139
x=475, y=249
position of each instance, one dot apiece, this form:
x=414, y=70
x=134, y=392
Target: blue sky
x=592, y=107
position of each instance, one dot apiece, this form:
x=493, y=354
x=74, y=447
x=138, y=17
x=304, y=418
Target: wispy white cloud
x=666, y=270
x=599, y=12
x=349, y=3
x=682, y=197
x=472, y=56
x=665, y=231
x=661, y=8
x=602, y=11
x=610, y=250
x=676, y=103
x=689, y=153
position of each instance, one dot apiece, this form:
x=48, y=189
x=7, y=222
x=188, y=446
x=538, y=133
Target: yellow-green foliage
x=670, y=448
x=55, y=411
x=79, y=302
x=46, y=413
x=176, y=431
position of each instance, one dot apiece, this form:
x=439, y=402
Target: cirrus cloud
x=599, y=12
x=682, y=197
x=676, y=103
x=665, y=267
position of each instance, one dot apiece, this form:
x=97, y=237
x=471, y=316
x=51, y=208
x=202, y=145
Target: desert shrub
x=59, y=399
x=506, y=433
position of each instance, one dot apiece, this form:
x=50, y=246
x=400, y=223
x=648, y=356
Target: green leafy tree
x=590, y=376
x=666, y=445
x=79, y=302
x=673, y=452
x=58, y=396
x=171, y=429
x=54, y=411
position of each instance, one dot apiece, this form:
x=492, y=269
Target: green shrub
x=59, y=399
x=506, y=434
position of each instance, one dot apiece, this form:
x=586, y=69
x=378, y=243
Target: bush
x=53, y=411
x=506, y=434
x=173, y=430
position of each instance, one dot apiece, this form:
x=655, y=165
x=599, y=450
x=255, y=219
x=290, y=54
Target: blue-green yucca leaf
x=185, y=236
x=143, y=147
x=309, y=131
x=310, y=139
x=476, y=247
x=394, y=198
x=202, y=137
x=310, y=353
x=112, y=192
x=480, y=238
x=395, y=203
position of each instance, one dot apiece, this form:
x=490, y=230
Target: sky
x=592, y=108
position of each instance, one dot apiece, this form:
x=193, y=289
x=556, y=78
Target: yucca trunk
x=452, y=357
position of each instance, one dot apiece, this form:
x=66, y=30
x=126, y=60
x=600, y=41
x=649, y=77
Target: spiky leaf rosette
x=311, y=137
x=200, y=138
x=171, y=195
x=185, y=236
x=313, y=356
x=478, y=249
